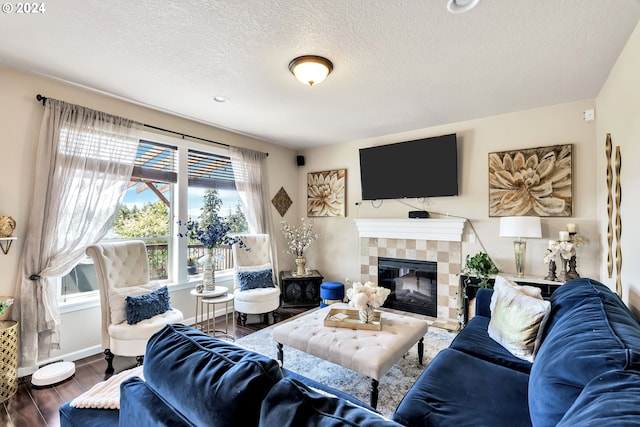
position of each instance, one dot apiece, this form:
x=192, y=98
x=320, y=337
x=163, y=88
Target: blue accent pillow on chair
x=255, y=279
x=148, y=305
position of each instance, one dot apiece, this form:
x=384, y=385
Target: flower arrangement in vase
x=299, y=238
x=212, y=235
x=365, y=298
x=565, y=247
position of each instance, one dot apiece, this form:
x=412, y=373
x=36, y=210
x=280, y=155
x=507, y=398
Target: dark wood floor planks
x=38, y=407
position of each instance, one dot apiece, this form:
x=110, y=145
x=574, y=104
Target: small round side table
x=8, y=359
x=219, y=291
x=226, y=300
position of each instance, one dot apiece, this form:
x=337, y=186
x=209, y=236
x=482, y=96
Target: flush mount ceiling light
x=310, y=69
x=461, y=6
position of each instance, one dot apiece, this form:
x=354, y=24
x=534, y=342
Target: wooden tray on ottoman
x=347, y=318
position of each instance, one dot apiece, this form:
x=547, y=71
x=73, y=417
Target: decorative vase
x=300, y=263
x=209, y=271
x=366, y=314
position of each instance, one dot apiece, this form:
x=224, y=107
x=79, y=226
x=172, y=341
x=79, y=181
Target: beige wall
x=20, y=116
x=336, y=253
x=618, y=113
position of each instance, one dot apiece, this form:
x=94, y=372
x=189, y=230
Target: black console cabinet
x=300, y=291
x=470, y=290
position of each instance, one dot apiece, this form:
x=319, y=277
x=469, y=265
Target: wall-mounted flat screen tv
x=413, y=169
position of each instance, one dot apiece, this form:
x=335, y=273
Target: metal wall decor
x=609, y=207
x=614, y=227
x=618, y=224
x=326, y=193
x=532, y=182
x=281, y=201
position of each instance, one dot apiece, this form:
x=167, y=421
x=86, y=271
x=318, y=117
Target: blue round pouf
x=331, y=293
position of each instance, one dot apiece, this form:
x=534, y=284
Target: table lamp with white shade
x=520, y=227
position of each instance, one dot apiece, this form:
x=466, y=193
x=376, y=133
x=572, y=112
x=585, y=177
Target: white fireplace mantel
x=443, y=229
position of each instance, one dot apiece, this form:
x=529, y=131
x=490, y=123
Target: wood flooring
x=38, y=406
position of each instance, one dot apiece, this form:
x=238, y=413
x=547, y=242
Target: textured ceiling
x=398, y=65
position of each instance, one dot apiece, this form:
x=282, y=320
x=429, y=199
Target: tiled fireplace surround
x=438, y=240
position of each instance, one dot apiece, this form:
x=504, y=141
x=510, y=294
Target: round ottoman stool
x=331, y=293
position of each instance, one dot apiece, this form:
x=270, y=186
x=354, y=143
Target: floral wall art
x=532, y=182
x=326, y=193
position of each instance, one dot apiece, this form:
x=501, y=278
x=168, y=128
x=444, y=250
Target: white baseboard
x=89, y=351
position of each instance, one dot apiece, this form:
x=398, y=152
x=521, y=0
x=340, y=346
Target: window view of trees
x=148, y=214
x=150, y=220
x=212, y=204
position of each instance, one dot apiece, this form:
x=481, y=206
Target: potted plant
x=5, y=307
x=480, y=266
x=478, y=269
x=192, y=267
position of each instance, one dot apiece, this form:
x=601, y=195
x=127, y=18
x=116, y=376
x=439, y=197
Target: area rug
x=393, y=385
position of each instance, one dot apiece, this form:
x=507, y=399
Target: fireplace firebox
x=413, y=284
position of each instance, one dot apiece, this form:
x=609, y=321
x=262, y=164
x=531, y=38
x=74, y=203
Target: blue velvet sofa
x=192, y=379
x=586, y=371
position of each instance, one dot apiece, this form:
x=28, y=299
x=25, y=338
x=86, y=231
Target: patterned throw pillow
x=517, y=317
x=255, y=279
x=146, y=306
x=118, y=299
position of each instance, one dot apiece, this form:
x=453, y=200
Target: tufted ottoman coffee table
x=370, y=353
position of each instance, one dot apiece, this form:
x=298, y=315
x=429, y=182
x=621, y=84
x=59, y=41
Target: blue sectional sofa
x=192, y=379
x=585, y=373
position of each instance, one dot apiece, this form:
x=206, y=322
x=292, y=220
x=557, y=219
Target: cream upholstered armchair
x=255, y=289
x=123, y=270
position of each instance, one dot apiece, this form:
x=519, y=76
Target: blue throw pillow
x=148, y=305
x=255, y=279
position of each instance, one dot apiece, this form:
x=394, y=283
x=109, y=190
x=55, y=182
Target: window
x=152, y=206
x=212, y=191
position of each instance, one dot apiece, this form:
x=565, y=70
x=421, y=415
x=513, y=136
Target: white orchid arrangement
x=368, y=295
x=298, y=238
x=566, y=248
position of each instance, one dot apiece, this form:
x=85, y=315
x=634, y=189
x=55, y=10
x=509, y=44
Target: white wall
x=618, y=113
x=20, y=116
x=336, y=254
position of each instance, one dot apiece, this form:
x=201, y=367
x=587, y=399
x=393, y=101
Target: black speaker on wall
x=300, y=160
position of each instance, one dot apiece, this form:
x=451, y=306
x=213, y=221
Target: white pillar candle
x=564, y=236
x=571, y=227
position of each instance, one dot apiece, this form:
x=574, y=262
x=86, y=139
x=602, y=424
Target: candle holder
x=569, y=241
x=572, y=273
x=552, y=271
x=563, y=270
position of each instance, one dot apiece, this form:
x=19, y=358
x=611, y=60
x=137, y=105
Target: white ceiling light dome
x=310, y=69
x=461, y=6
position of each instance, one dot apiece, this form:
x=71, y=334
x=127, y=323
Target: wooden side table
x=301, y=291
x=8, y=359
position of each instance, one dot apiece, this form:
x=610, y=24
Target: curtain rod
x=43, y=99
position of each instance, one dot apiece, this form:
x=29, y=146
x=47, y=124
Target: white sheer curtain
x=252, y=183
x=83, y=165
